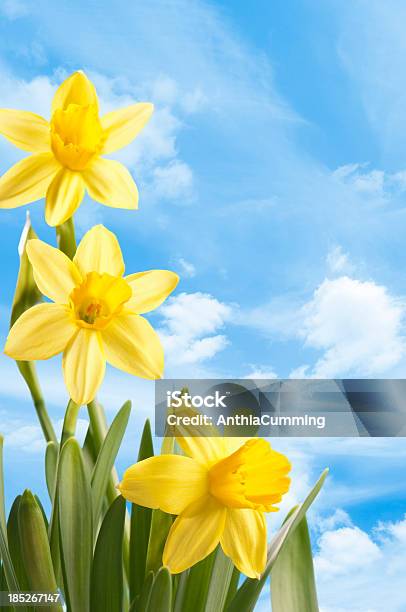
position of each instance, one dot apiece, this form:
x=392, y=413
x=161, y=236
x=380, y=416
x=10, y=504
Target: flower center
x=76, y=135
x=252, y=477
x=98, y=299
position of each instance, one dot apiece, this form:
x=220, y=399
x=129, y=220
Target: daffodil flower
x=96, y=314
x=66, y=152
x=220, y=496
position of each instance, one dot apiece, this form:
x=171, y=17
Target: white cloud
x=357, y=324
x=368, y=182
x=261, y=372
x=191, y=321
x=174, y=181
x=28, y=437
x=336, y=551
x=372, y=185
x=186, y=268
x=165, y=91
x=338, y=262
x=339, y=518
x=358, y=571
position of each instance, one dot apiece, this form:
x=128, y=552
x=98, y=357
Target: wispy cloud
x=189, y=332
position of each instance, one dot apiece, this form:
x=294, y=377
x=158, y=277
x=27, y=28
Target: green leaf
x=223, y=570
x=41, y=507
x=160, y=599
x=75, y=526
x=106, y=593
x=205, y=586
x=105, y=460
x=53, y=535
x=293, y=587
x=2, y=500
x=232, y=589
x=140, y=525
x=8, y=568
x=140, y=603
x=65, y=237
x=3, y=587
x=248, y=594
x=15, y=546
x=51, y=466
x=161, y=523
x=35, y=548
x=195, y=585
x=89, y=452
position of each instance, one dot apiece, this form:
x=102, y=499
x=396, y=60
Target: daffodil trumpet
x=220, y=491
x=67, y=152
x=96, y=314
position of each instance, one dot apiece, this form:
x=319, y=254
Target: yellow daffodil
x=96, y=314
x=67, y=152
x=219, y=495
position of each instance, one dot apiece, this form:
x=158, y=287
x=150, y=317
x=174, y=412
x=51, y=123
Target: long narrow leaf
x=106, y=458
x=219, y=585
x=248, y=594
x=140, y=603
x=195, y=585
x=293, y=587
x=14, y=545
x=233, y=587
x=8, y=568
x=51, y=466
x=140, y=525
x=35, y=550
x=106, y=593
x=75, y=526
x=160, y=599
x=2, y=502
x=161, y=523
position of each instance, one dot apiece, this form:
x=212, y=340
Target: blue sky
x=272, y=178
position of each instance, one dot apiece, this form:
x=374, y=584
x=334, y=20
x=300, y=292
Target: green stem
x=69, y=423
x=65, y=237
x=28, y=372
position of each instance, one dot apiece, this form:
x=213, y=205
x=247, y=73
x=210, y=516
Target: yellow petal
x=204, y=450
x=55, y=274
x=41, y=332
x=99, y=251
x=122, y=126
x=25, y=130
x=131, y=344
x=244, y=540
x=84, y=366
x=76, y=89
x=194, y=535
x=28, y=180
x=168, y=482
x=150, y=289
x=64, y=195
x=110, y=183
